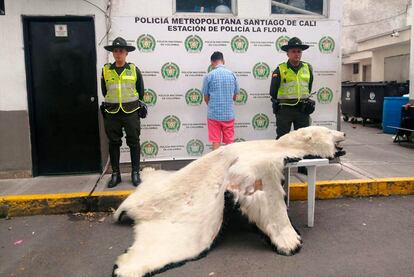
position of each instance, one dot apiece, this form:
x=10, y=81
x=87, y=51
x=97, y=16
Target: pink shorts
x=218, y=128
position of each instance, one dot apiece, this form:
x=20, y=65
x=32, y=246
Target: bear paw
x=126, y=266
x=288, y=242
x=116, y=272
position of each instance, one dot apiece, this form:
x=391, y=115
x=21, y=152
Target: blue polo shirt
x=220, y=85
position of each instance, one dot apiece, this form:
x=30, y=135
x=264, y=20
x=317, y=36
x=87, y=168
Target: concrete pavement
x=369, y=168
x=352, y=237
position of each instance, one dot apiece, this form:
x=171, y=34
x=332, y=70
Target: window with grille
x=355, y=68
x=2, y=10
x=204, y=6
x=310, y=7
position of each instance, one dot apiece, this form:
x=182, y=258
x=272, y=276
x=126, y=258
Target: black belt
x=289, y=101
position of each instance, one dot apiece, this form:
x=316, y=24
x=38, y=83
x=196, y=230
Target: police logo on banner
x=195, y=147
x=326, y=45
x=149, y=149
x=261, y=71
x=193, y=44
x=241, y=97
x=260, y=121
x=171, y=124
x=146, y=43
x=170, y=71
x=282, y=40
x=150, y=97
x=239, y=44
x=193, y=97
x=325, y=95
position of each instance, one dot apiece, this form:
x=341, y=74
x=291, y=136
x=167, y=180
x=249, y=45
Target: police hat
x=119, y=43
x=294, y=43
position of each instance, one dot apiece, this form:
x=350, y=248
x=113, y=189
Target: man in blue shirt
x=220, y=87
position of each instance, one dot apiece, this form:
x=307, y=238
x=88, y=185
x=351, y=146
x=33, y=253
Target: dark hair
x=216, y=56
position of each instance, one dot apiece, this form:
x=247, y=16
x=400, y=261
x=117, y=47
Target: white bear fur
x=178, y=214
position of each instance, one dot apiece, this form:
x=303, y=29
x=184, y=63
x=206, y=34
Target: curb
x=38, y=204
x=355, y=188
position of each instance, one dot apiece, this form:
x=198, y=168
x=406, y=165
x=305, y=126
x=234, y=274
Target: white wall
x=357, y=12
x=360, y=76
x=261, y=8
x=379, y=56
x=142, y=7
x=13, y=93
x=347, y=72
x=397, y=68
x=244, y=8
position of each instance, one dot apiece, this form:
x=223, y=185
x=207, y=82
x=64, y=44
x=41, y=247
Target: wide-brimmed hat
x=294, y=43
x=119, y=43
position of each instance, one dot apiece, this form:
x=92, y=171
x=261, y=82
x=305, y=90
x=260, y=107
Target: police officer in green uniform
x=122, y=87
x=291, y=84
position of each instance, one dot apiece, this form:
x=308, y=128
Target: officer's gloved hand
x=142, y=111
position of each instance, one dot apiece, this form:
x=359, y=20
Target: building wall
x=378, y=60
x=15, y=157
x=346, y=72
x=244, y=8
x=359, y=22
x=15, y=151
x=356, y=13
x=366, y=72
x=397, y=68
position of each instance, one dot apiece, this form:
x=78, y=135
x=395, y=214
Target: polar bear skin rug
x=178, y=214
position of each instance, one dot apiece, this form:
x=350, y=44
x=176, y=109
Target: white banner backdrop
x=173, y=54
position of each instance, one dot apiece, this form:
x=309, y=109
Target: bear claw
x=113, y=271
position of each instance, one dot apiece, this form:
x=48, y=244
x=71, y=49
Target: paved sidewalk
x=371, y=156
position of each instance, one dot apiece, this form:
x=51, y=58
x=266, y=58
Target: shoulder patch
x=274, y=75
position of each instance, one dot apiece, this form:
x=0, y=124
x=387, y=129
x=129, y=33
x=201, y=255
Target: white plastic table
x=311, y=165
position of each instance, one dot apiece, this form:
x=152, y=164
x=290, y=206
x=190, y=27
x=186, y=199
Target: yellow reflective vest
x=121, y=89
x=292, y=85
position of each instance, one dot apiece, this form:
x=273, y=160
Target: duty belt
x=288, y=101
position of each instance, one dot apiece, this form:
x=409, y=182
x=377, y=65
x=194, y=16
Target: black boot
x=115, y=179
x=136, y=180
x=135, y=157
x=114, y=153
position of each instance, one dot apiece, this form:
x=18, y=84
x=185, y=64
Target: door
x=366, y=73
x=62, y=93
